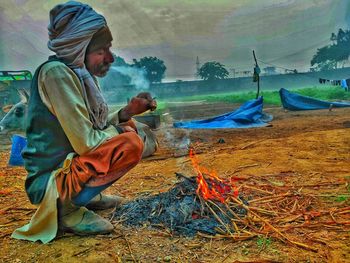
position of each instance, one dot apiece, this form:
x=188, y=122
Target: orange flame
x=217, y=189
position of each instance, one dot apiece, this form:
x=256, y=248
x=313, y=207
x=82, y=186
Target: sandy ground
x=309, y=151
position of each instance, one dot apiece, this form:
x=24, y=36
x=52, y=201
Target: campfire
x=199, y=204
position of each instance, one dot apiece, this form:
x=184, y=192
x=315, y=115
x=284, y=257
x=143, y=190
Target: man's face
x=99, y=61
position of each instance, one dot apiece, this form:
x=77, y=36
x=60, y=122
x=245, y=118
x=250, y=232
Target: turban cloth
x=72, y=26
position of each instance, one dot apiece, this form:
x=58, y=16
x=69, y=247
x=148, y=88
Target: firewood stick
x=245, y=166
x=343, y=210
x=201, y=201
x=248, y=232
x=218, y=236
x=219, y=219
x=318, y=185
x=273, y=228
x=328, y=195
x=233, y=213
x=265, y=200
x=239, y=220
x=235, y=226
x=294, y=206
x=291, y=219
x=287, y=205
x=248, y=165
x=271, y=197
x=324, y=224
x=332, y=216
x=263, y=211
x=220, y=231
x=218, y=207
x=319, y=240
x=250, y=144
x=232, y=221
x=129, y=247
x=179, y=175
x=241, y=238
x=257, y=189
x=305, y=185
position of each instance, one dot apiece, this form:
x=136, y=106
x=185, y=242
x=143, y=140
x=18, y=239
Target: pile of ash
x=180, y=210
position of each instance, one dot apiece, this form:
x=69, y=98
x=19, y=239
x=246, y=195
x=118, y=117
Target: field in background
x=272, y=97
x=178, y=109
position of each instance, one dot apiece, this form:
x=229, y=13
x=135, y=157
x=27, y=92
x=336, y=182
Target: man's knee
x=149, y=139
x=135, y=146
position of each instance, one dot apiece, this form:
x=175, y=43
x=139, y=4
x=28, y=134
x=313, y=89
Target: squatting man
x=76, y=148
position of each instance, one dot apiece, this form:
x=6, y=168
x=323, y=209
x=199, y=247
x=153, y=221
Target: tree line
x=334, y=54
x=154, y=68
x=328, y=57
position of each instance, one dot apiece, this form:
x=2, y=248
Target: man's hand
x=127, y=126
x=124, y=127
x=152, y=103
x=137, y=105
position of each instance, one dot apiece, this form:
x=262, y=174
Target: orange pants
x=105, y=165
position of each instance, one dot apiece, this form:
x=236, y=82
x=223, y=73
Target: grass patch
x=341, y=198
x=273, y=97
x=329, y=93
x=326, y=93
x=263, y=242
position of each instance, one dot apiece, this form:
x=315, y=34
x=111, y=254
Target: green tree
x=119, y=62
x=323, y=59
x=328, y=57
x=153, y=66
x=213, y=70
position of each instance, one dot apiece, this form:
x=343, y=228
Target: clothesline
x=344, y=83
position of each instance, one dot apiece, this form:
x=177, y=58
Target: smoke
x=185, y=143
x=182, y=143
x=137, y=76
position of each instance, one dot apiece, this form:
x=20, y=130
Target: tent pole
x=256, y=77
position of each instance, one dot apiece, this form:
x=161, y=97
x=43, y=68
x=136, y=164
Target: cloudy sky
x=284, y=33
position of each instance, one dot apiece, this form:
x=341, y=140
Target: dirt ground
x=307, y=151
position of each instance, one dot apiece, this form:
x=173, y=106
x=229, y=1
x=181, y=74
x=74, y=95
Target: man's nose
x=109, y=57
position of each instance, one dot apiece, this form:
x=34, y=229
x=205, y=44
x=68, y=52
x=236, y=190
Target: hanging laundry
x=322, y=81
x=345, y=83
x=333, y=82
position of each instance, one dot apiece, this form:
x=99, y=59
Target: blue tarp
x=249, y=115
x=293, y=101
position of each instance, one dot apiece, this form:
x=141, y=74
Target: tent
x=294, y=102
x=249, y=115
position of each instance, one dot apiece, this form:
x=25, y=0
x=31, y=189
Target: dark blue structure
x=294, y=102
x=249, y=115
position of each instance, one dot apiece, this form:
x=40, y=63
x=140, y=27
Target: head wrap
x=72, y=26
x=100, y=39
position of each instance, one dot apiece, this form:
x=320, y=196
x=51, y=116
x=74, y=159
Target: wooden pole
x=256, y=75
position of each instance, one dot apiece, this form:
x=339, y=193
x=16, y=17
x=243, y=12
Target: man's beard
x=101, y=69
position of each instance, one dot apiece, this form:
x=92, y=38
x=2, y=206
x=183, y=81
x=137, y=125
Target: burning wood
x=212, y=188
